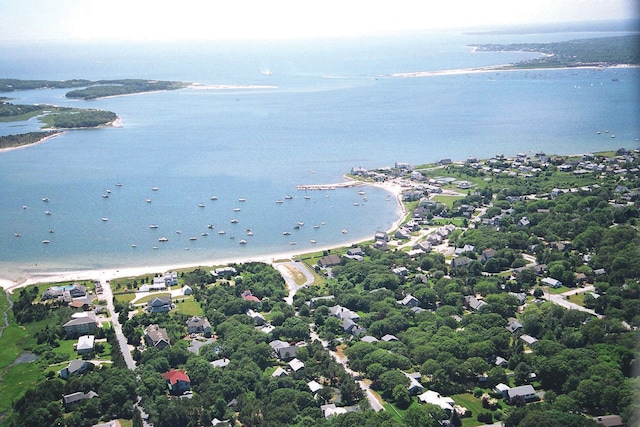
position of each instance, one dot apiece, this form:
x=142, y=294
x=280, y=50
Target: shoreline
x=499, y=68
x=53, y=276
x=198, y=86
x=45, y=139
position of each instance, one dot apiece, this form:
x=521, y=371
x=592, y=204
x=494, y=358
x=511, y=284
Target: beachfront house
x=83, y=325
x=160, y=305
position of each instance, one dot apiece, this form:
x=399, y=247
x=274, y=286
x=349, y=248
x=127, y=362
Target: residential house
x=521, y=296
x=513, y=326
x=69, y=400
x=414, y=386
x=525, y=391
x=381, y=236
x=178, y=382
x=279, y=372
x=501, y=362
x=343, y=313
x=502, y=389
x=258, y=318
x=83, y=325
x=314, y=386
x=75, y=367
x=296, y=365
x=355, y=253
x=460, y=262
x=434, y=398
x=329, y=261
x=284, y=350
x=465, y=248
x=609, y=420
x=155, y=336
x=248, y=296
x=403, y=234
x=85, y=344
x=220, y=363
x=225, y=272
x=199, y=325
x=389, y=338
x=409, y=301
x=330, y=409
x=550, y=281
x=473, y=303
x=487, y=254
x=159, y=305
x=528, y=339
x=351, y=327
x=186, y=290
x=400, y=271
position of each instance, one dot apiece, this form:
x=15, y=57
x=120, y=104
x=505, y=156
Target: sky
x=264, y=19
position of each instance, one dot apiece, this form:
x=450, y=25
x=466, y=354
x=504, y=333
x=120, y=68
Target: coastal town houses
x=72, y=399
x=178, y=382
x=284, y=350
x=75, y=367
x=155, y=336
x=199, y=325
x=82, y=325
x=159, y=305
x=66, y=293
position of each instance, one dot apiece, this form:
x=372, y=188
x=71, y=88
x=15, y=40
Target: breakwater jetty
x=346, y=184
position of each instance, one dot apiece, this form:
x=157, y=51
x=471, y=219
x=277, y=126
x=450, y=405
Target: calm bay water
x=333, y=106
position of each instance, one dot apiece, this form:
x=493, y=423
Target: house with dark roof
x=155, y=336
x=199, y=325
x=178, y=382
x=473, y=303
x=160, y=305
x=75, y=367
x=329, y=261
x=83, y=325
x=69, y=400
x=409, y=301
x=459, y=262
x=513, y=326
x=284, y=350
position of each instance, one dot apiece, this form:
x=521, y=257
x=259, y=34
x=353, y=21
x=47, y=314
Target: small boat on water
x=243, y=242
x=148, y=200
x=279, y=201
x=300, y=223
x=205, y=234
x=356, y=204
x=45, y=199
x=222, y=232
x=155, y=247
x=105, y=219
x=153, y=226
x=17, y=234
x=307, y=197
x=105, y=196
x=163, y=239
x=296, y=227
x=50, y=231
x=200, y=205
x=47, y=212
x=313, y=241
x=178, y=232
x=234, y=221
x=242, y=200
x=361, y=192
x=288, y=197
x=24, y=206
x=154, y=189
x=286, y=233
x=344, y=231
x=213, y=198
x=316, y=226
x=236, y=209
x=292, y=243
x=108, y=191
x=46, y=241
x=118, y=184
x=193, y=238
x=249, y=232
x=133, y=245
x=210, y=226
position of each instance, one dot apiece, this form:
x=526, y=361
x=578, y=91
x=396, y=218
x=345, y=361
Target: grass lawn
x=189, y=306
x=17, y=379
x=446, y=200
x=471, y=403
x=148, y=298
x=577, y=299
x=555, y=291
x=125, y=298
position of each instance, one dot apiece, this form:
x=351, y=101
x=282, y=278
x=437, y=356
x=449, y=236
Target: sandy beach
x=45, y=139
x=10, y=285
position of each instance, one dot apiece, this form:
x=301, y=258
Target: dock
x=346, y=184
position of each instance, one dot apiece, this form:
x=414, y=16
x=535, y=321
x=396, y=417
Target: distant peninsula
x=57, y=119
x=87, y=89
x=603, y=52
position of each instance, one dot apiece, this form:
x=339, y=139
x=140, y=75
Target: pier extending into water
x=346, y=184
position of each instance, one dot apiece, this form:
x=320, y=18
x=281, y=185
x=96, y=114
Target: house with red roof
x=248, y=296
x=178, y=381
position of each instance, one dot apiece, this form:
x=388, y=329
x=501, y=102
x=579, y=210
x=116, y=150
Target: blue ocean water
x=331, y=104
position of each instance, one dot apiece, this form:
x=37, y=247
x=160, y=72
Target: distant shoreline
x=31, y=144
x=499, y=68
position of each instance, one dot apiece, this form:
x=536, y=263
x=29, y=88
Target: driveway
x=287, y=271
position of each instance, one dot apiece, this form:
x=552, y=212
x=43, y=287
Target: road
x=107, y=294
x=561, y=299
x=373, y=401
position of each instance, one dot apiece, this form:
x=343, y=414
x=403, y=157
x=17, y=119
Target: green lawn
x=446, y=200
x=148, y=298
x=125, y=297
x=17, y=379
x=471, y=403
x=577, y=299
x=189, y=306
